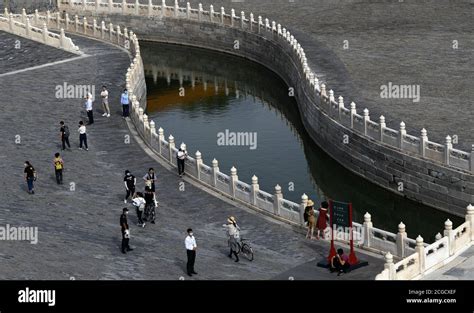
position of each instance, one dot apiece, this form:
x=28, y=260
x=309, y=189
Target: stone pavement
x=79, y=232
x=405, y=42
x=461, y=268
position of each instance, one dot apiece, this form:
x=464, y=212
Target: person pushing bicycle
x=233, y=230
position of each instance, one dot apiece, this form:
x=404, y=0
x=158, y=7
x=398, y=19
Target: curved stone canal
x=244, y=115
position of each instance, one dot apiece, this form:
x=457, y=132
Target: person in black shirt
x=150, y=202
x=64, y=133
x=30, y=176
x=130, y=182
x=150, y=176
x=125, y=231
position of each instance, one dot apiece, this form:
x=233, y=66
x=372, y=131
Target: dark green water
x=231, y=93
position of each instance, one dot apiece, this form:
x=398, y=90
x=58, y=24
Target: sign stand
x=346, y=222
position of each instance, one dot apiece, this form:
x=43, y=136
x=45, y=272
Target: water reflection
x=195, y=94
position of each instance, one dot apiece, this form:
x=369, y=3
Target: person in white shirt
x=233, y=231
x=88, y=106
x=82, y=136
x=181, y=157
x=105, y=101
x=139, y=204
x=191, y=246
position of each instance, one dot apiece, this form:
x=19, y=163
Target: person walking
x=82, y=136
x=191, y=246
x=150, y=203
x=125, y=231
x=130, y=182
x=58, y=168
x=181, y=158
x=125, y=101
x=30, y=177
x=322, y=221
x=151, y=176
x=311, y=219
x=233, y=231
x=89, y=110
x=64, y=133
x=104, y=94
x=139, y=204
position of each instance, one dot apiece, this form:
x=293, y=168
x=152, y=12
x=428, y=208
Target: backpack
x=58, y=164
x=66, y=131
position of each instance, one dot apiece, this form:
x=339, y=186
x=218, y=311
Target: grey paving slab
x=79, y=233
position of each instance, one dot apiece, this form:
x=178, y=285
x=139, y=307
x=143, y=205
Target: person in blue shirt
x=125, y=103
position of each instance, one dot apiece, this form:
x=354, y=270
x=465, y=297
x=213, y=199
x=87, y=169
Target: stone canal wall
x=15, y=6
x=411, y=166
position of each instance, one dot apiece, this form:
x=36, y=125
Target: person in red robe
x=322, y=221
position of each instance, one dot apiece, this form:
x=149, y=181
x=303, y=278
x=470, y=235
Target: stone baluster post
x=152, y=133
x=150, y=7
x=382, y=126
x=111, y=29
x=448, y=231
x=401, y=134
x=198, y=164
x=420, y=249
x=423, y=142
x=254, y=190
x=45, y=33
x=222, y=15
x=401, y=237
x=367, y=226
x=200, y=12
x=102, y=30
x=188, y=10
x=97, y=5
x=232, y=15
x=340, y=106
x=316, y=85
x=392, y=275
x=76, y=23
x=211, y=13
x=124, y=7
x=215, y=170
x=161, y=138
x=5, y=12
x=84, y=22
x=67, y=21
x=23, y=16
x=10, y=21
x=36, y=16
x=366, y=120
x=331, y=97
x=259, y=24
x=171, y=145
x=119, y=34
x=323, y=94
x=110, y=6
x=233, y=180
x=353, y=111
x=252, y=20
x=48, y=17
x=163, y=8
x=470, y=220
x=84, y=5
x=274, y=28
x=62, y=39
x=304, y=204
x=176, y=8
x=267, y=24
x=137, y=7
x=447, y=149
x=27, y=28
x=277, y=198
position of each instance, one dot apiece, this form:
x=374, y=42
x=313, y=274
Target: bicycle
x=246, y=249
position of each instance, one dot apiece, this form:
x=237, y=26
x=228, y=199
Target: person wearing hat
x=311, y=219
x=233, y=230
x=322, y=221
x=191, y=246
x=181, y=158
x=125, y=231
